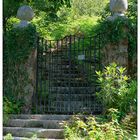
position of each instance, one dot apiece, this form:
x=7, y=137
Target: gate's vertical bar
x=49, y=75
x=79, y=68
x=66, y=106
x=41, y=67
x=41, y=98
x=90, y=60
x=36, y=94
x=94, y=84
x=58, y=107
x=51, y=78
x=60, y=68
x=90, y=69
x=69, y=55
x=46, y=75
x=75, y=69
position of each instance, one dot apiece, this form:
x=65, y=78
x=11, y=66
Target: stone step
x=64, y=62
x=75, y=107
x=72, y=89
x=76, y=78
x=73, y=97
x=41, y=117
x=74, y=75
x=48, y=124
x=75, y=104
x=65, y=76
x=29, y=132
x=82, y=105
x=69, y=83
x=24, y=138
x=58, y=68
x=61, y=69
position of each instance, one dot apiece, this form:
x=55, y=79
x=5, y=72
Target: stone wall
x=117, y=53
x=29, y=89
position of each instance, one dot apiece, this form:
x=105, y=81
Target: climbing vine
x=117, y=30
x=121, y=29
x=18, y=44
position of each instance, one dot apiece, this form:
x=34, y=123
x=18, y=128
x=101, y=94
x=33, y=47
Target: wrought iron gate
x=66, y=78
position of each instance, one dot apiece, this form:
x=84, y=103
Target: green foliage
x=129, y=122
x=115, y=91
x=11, y=106
x=117, y=30
x=10, y=8
x=19, y=43
x=8, y=137
x=132, y=11
x=114, y=114
x=113, y=83
x=57, y=30
x=105, y=12
x=34, y=137
x=10, y=22
x=92, y=129
x=48, y=6
x=64, y=14
x=121, y=28
x=88, y=7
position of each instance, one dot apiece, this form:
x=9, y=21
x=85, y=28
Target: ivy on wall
x=117, y=30
x=114, y=32
x=18, y=44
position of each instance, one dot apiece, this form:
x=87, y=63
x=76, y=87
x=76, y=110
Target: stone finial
x=25, y=14
x=118, y=8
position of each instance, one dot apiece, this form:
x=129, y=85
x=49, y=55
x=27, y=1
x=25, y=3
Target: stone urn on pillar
x=118, y=8
x=25, y=14
x=117, y=52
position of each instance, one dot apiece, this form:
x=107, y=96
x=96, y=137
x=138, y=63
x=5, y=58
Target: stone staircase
x=70, y=87
x=45, y=127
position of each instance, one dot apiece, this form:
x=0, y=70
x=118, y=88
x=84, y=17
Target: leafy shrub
x=90, y=128
x=129, y=122
x=116, y=90
x=128, y=102
x=64, y=13
x=113, y=83
x=8, y=137
x=11, y=106
x=10, y=22
x=65, y=24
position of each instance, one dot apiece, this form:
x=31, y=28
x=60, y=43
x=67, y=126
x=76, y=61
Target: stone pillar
x=30, y=88
x=116, y=52
x=25, y=14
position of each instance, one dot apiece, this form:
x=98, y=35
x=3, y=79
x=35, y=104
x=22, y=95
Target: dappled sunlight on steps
x=45, y=127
